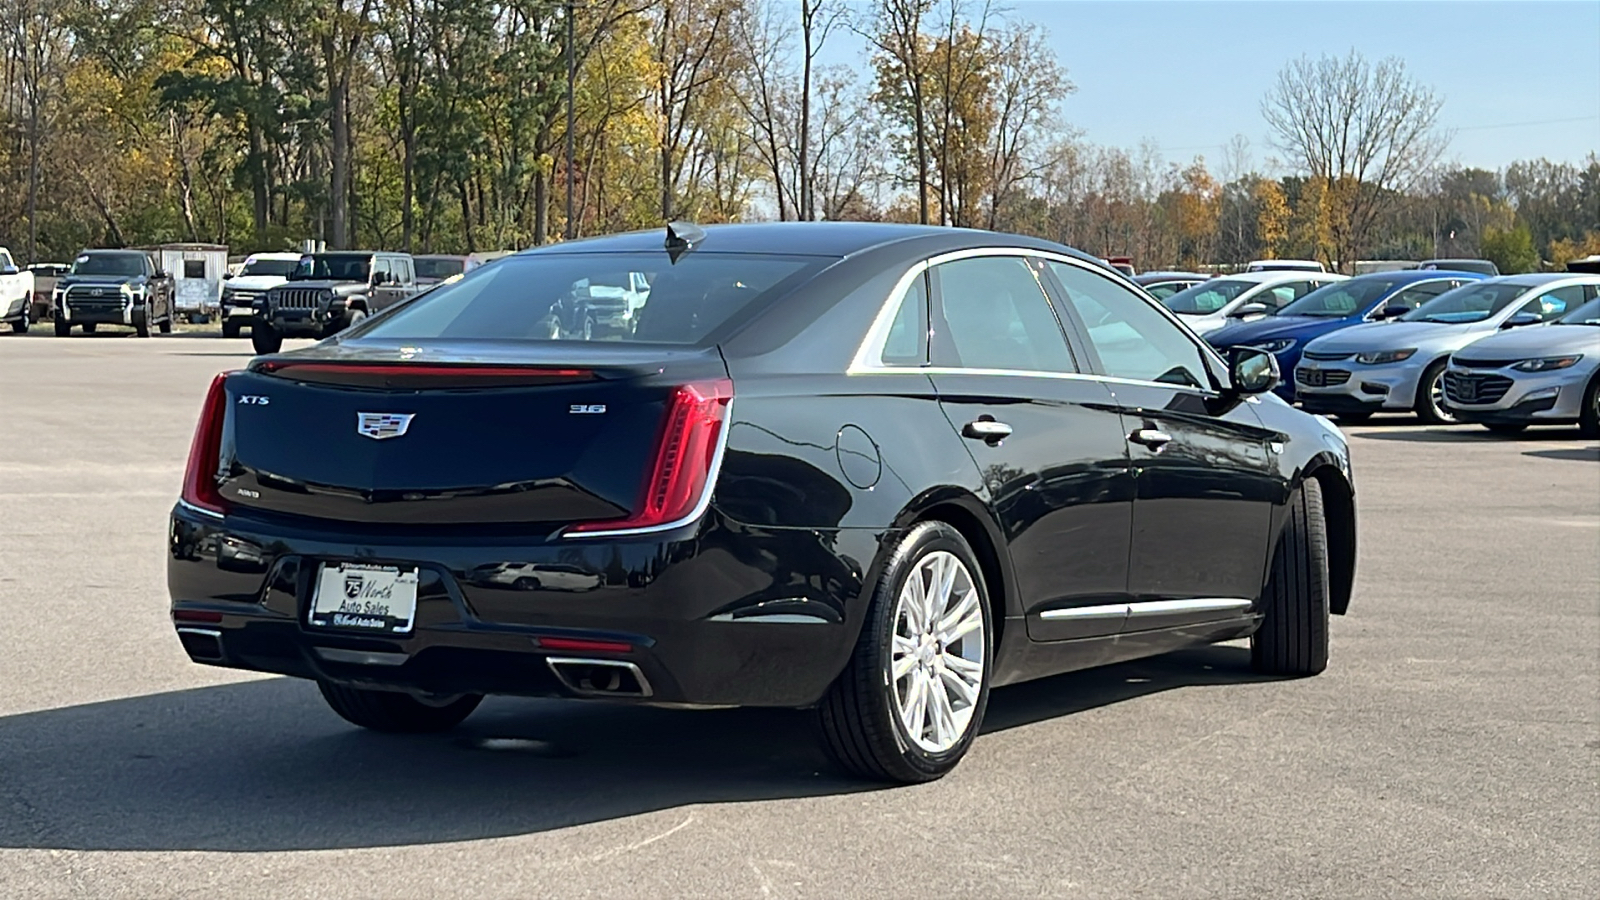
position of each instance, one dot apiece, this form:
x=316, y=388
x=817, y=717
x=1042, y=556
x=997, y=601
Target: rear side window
x=907, y=343
x=996, y=316
x=580, y=296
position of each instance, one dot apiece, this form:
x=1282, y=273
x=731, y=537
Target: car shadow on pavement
x=1468, y=435
x=262, y=765
x=1580, y=454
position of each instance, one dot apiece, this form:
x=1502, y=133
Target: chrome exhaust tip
x=600, y=677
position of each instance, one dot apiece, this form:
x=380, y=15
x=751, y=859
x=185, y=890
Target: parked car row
x=1429, y=341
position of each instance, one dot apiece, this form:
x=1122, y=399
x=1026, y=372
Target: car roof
x=1146, y=277
x=1276, y=275
x=825, y=239
x=1531, y=279
x=1410, y=276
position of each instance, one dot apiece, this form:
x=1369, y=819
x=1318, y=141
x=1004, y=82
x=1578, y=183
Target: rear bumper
x=709, y=615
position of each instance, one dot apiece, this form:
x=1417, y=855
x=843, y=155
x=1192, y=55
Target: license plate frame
x=366, y=598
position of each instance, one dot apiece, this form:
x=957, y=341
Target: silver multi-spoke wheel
x=936, y=657
x=1436, y=396
x=910, y=701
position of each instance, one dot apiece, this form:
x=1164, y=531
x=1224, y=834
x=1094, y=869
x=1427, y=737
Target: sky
x=1519, y=80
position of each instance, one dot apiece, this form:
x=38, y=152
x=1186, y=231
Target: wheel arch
x=968, y=515
x=1339, y=508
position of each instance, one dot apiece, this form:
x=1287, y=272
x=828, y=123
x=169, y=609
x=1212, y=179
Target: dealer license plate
x=362, y=597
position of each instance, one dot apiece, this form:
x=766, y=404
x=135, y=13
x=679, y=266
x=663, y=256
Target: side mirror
x=1520, y=319
x=1253, y=371
x=1250, y=309
x=1394, y=311
x=226, y=276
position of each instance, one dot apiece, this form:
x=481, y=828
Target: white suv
x=261, y=272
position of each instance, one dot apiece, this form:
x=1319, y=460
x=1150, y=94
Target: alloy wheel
x=937, y=656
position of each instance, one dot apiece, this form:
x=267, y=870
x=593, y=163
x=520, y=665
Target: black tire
x=20, y=326
x=142, y=328
x=230, y=328
x=1293, y=638
x=1428, y=406
x=1589, y=416
x=1353, y=418
x=63, y=328
x=264, y=338
x=166, y=325
x=89, y=327
x=860, y=724
x=395, y=712
x=354, y=317
x=1507, y=428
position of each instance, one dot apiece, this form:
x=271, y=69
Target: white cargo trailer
x=197, y=271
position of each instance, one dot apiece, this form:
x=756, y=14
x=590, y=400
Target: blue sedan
x=1365, y=298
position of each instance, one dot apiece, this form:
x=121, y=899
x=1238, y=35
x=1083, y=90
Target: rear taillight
x=686, y=453
x=200, y=478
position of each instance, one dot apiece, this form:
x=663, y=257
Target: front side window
x=1131, y=337
x=547, y=296
x=1554, y=304
x=440, y=268
x=996, y=316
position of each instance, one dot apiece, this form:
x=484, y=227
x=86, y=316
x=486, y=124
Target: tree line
x=446, y=126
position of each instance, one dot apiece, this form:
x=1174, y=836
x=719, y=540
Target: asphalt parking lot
x=1451, y=750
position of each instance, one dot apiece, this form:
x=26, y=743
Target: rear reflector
x=686, y=451
x=580, y=645
x=195, y=615
x=200, y=476
x=420, y=376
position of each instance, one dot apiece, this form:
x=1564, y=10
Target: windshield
x=441, y=268
x=282, y=268
x=569, y=296
x=1204, y=299
x=1340, y=299
x=1587, y=314
x=332, y=267
x=125, y=264
x=1471, y=303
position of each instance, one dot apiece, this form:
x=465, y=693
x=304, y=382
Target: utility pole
x=572, y=228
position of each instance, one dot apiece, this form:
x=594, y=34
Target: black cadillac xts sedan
x=874, y=470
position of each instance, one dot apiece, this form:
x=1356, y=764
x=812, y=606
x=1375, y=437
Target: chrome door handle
x=1151, y=438
x=986, y=429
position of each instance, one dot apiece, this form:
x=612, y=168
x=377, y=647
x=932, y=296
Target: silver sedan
x=1533, y=376
x=1398, y=365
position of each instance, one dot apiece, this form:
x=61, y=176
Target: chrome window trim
x=1114, y=611
x=1415, y=284
x=1197, y=605
x=868, y=359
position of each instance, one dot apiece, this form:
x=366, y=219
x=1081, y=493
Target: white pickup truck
x=16, y=293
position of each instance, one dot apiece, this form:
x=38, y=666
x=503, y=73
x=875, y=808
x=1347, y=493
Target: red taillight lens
x=685, y=453
x=200, y=478
x=581, y=645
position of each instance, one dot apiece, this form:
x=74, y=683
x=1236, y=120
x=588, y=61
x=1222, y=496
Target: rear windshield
x=439, y=268
x=640, y=297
